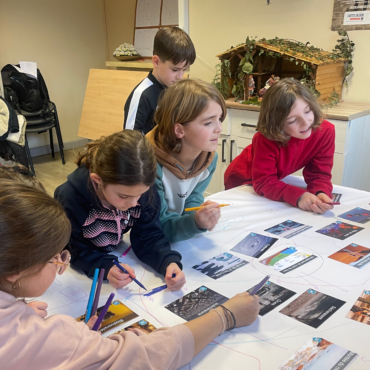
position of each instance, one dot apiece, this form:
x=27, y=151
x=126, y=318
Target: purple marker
x=97, y=294
x=103, y=312
x=260, y=285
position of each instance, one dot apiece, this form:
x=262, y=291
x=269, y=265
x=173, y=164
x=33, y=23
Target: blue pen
x=91, y=297
x=260, y=285
x=155, y=290
x=126, y=272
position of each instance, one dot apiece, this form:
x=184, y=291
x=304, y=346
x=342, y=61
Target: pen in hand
x=126, y=272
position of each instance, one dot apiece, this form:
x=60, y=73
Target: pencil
x=196, y=208
x=126, y=272
x=260, y=285
x=103, y=312
x=97, y=294
x=91, y=297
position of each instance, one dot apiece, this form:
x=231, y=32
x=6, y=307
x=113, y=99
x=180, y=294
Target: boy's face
x=166, y=72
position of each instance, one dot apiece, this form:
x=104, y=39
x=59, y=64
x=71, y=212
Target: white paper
x=30, y=68
x=147, y=13
x=170, y=13
x=144, y=40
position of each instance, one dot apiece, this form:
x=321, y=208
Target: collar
x=155, y=81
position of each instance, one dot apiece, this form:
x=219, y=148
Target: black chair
x=39, y=122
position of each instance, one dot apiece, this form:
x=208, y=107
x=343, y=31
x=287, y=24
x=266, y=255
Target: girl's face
x=36, y=280
x=203, y=133
x=122, y=197
x=299, y=121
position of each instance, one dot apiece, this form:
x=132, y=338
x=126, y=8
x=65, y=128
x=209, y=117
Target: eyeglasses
x=62, y=261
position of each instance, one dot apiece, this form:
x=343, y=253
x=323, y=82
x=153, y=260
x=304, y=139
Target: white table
x=273, y=338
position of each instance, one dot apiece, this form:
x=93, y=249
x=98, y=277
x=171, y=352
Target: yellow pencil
x=196, y=208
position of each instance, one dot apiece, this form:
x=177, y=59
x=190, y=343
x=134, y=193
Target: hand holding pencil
x=208, y=215
x=119, y=279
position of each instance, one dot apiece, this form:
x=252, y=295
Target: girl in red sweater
x=291, y=135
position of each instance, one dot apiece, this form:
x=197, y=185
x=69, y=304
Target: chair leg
x=29, y=158
x=59, y=133
x=51, y=142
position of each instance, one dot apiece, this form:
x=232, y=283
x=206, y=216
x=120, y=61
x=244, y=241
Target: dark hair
x=125, y=158
x=33, y=229
x=277, y=104
x=20, y=174
x=182, y=103
x=175, y=45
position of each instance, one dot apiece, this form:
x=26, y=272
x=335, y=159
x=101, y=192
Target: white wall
x=66, y=38
x=216, y=25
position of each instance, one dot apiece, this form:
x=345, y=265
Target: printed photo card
x=320, y=354
x=221, y=265
x=288, y=259
x=196, y=303
x=359, y=215
x=312, y=308
x=340, y=230
x=117, y=314
x=139, y=327
x=360, y=311
x=271, y=296
x=288, y=229
x=353, y=255
x=254, y=245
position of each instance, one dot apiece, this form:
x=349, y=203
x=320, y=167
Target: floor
x=51, y=172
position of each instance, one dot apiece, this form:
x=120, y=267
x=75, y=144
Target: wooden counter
x=344, y=111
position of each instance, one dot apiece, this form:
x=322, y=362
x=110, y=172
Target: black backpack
x=32, y=93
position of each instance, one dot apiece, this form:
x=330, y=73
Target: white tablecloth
x=273, y=338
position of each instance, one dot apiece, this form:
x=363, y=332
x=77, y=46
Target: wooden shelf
x=131, y=65
x=344, y=111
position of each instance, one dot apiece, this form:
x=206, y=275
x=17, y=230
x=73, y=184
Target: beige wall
x=120, y=18
x=66, y=38
x=216, y=25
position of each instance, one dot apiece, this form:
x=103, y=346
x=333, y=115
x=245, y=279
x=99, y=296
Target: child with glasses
x=32, y=254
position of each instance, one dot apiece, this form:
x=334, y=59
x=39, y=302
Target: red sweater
x=264, y=163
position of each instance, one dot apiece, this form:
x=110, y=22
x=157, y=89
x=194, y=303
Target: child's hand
x=311, y=202
x=207, y=217
x=119, y=279
x=39, y=307
x=325, y=200
x=174, y=283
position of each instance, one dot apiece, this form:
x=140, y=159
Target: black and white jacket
x=97, y=230
x=142, y=104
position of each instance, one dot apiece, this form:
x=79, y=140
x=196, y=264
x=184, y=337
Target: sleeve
x=178, y=227
x=317, y=173
x=137, y=114
x=81, y=348
x=265, y=176
x=147, y=238
x=84, y=255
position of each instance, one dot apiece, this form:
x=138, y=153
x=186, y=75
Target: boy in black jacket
x=173, y=53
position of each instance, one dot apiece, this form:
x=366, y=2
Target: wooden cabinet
x=352, y=144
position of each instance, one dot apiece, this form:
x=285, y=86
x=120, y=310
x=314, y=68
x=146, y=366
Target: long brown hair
x=20, y=174
x=125, y=158
x=33, y=229
x=277, y=104
x=182, y=103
